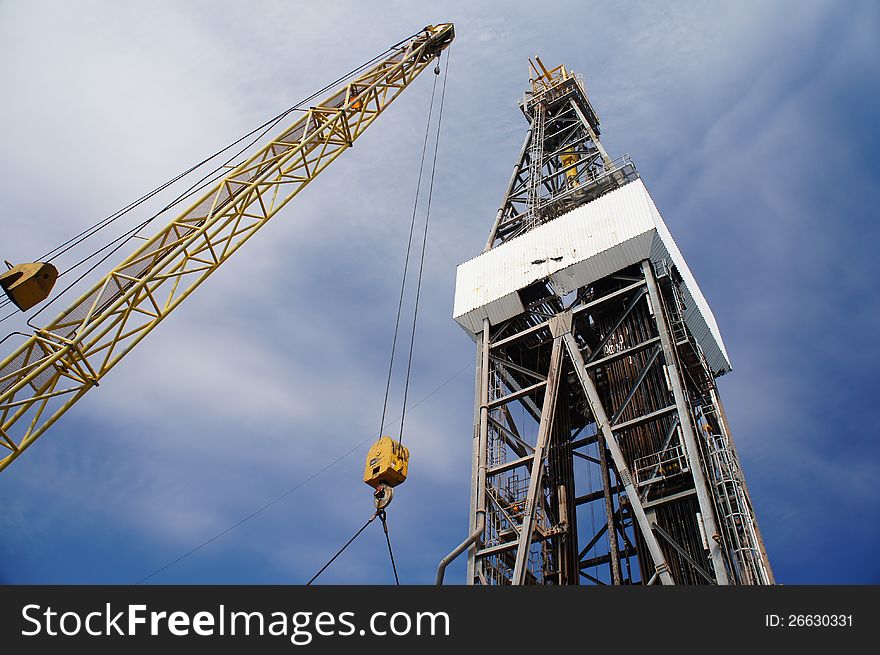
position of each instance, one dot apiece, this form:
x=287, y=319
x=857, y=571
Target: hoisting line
x=381, y=513
x=347, y=544
x=412, y=226
x=424, y=243
x=302, y=483
x=214, y=175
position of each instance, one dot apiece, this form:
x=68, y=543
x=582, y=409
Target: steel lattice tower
x=601, y=450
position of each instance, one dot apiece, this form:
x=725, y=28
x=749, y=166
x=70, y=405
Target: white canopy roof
x=599, y=238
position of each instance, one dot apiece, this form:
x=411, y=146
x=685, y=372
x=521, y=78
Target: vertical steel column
x=616, y=577
x=561, y=466
x=545, y=429
x=693, y=451
x=601, y=418
x=482, y=448
x=479, y=402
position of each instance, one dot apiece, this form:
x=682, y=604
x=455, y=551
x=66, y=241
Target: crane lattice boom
x=56, y=366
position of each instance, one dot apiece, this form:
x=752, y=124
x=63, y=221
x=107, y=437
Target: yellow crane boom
x=56, y=366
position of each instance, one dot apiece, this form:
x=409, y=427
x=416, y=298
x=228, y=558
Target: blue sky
x=754, y=125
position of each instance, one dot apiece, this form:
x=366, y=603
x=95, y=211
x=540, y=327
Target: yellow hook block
x=387, y=463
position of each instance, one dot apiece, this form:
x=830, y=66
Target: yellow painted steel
x=387, y=463
x=569, y=163
x=542, y=78
x=28, y=284
x=56, y=366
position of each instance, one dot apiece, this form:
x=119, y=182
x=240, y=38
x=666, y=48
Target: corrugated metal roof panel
x=587, y=231
x=698, y=315
x=592, y=241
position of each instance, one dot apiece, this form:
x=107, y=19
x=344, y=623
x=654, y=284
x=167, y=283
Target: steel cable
x=127, y=236
x=302, y=483
x=382, y=516
x=424, y=243
x=412, y=226
x=347, y=544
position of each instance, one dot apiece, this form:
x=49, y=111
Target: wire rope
x=424, y=244
x=412, y=226
x=347, y=544
x=287, y=493
x=206, y=180
x=382, y=516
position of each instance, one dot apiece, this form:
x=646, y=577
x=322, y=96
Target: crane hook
x=382, y=497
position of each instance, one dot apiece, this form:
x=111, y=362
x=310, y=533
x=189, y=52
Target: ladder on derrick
x=689, y=352
x=536, y=164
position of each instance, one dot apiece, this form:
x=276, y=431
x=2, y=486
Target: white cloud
x=276, y=365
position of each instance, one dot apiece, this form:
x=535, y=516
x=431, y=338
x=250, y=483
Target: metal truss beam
x=693, y=451
x=596, y=407
x=85, y=341
x=548, y=413
x=629, y=369
x=681, y=551
x=559, y=163
x=645, y=410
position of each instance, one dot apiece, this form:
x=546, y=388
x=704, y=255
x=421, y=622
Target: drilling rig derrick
x=601, y=452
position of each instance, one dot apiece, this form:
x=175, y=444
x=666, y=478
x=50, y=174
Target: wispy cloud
x=749, y=126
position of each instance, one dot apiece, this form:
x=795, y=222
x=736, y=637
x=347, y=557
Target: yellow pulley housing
x=28, y=284
x=387, y=463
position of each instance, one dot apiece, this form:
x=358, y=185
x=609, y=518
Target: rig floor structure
x=601, y=451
